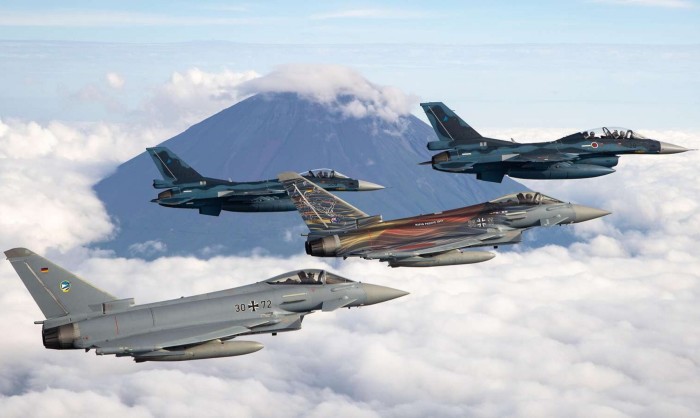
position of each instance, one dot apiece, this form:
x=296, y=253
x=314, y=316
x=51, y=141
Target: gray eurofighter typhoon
x=338, y=229
x=190, y=190
x=590, y=153
x=80, y=316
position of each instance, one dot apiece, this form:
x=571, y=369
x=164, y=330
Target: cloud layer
x=193, y=95
x=607, y=327
x=47, y=174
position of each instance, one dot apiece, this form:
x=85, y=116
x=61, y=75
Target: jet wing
x=253, y=192
x=173, y=201
x=539, y=156
x=439, y=246
x=492, y=167
x=184, y=336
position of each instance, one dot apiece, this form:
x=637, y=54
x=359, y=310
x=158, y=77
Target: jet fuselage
x=585, y=154
x=254, y=196
x=271, y=304
x=81, y=316
x=489, y=224
x=188, y=189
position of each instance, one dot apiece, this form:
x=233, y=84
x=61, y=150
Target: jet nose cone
x=585, y=213
x=379, y=294
x=666, y=148
x=366, y=186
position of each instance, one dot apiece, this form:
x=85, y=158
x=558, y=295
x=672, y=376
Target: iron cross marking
x=253, y=306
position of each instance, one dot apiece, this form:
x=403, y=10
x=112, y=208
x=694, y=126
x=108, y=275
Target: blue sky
x=575, y=64
x=444, y=22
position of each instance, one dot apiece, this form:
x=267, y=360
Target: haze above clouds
x=339, y=87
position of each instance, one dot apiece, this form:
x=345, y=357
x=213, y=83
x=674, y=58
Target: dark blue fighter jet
x=584, y=154
x=188, y=189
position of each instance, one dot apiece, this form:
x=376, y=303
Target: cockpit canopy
x=308, y=277
x=613, y=132
x=526, y=198
x=324, y=173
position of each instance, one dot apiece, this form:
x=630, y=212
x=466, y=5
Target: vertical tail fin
x=319, y=209
x=172, y=168
x=447, y=125
x=58, y=292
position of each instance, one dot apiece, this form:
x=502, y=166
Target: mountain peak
x=340, y=88
x=273, y=132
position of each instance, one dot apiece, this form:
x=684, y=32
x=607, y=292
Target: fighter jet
x=584, y=154
x=337, y=229
x=81, y=316
x=189, y=189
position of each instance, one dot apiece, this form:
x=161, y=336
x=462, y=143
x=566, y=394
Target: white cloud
x=47, y=174
x=543, y=332
x=342, y=88
x=184, y=99
x=148, y=248
x=93, y=93
x=115, y=80
x=66, y=403
x=48, y=169
x=190, y=96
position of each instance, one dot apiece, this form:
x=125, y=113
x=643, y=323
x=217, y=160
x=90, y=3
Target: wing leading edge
x=179, y=337
x=481, y=237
